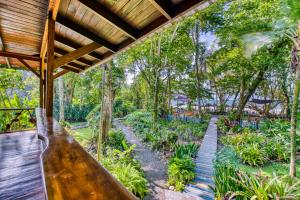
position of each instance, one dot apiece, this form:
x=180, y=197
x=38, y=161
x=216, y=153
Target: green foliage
x=73, y=112
x=127, y=170
x=280, y=130
x=116, y=139
x=180, y=171
x=122, y=107
x=252, y=154
x=225, y=175
x=233, y=183
x=277, y=148
x=183, y=150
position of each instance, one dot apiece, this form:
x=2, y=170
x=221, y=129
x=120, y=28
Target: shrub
x=164, y=139
x=262, y=187
x=244, y=138
x=181, y=171
x=115, y=139
x=278, y=149
x=252, y=155
x=122, y=108
x=183, y=150
x=234, y=184
x=224, y=179
x=126, y=169
x=128, y=174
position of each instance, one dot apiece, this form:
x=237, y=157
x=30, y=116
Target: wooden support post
x=41, y=85
x=45, y=88
x=41, y=92
x=50, y=66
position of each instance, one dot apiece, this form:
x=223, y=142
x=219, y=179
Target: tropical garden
x=238, y=60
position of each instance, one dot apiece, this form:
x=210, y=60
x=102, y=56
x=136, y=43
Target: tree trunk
x=249, y=92
x=294, y=122
x=197, y=70
x=61, y=99
x=296, y=65
x=156, y=96
x=169, y=93
x=100, y=136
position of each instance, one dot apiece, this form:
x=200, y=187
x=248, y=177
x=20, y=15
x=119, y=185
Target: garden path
x=204, y=164
x=154, y=168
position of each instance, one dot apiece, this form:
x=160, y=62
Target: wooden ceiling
x=112, y=25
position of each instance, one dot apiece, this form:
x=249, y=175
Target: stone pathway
x=204, y=164
x=154, y=168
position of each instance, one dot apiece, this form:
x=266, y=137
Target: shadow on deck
x=20, y=171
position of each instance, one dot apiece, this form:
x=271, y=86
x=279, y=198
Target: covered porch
x=52, y=38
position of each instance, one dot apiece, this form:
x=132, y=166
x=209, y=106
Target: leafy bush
x=116, y=139
x=252, y=154
x=263, y=187
x=189, y=150
x=127, y=170
x=234, y=184
x=278, y=149
x=122, y=108
x=73, y=112
x=181, y=171
x=118, y=160
x=246, y=137
x=225, y=175
x=164, y=139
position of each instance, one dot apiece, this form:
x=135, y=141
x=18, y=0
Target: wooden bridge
x=51, y=38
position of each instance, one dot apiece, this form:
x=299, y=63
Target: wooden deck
x=48, y=163
x=20, y=171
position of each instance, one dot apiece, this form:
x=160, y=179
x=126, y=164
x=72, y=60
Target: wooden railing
x=69, y=171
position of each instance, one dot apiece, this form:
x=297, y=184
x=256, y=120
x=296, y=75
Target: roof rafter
x=64, y=52
x=70, y=69
x=76, y=54
x=75, y=45
x=111, y=17
x=59, y=74
x=77, y=28
x=19, y=55
x=3, y=49
x=29, y=67
x=163, y=7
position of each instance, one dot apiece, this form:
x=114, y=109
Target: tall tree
x=295, y=17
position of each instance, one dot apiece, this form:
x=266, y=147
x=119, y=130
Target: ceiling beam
x=58, y=74
x=19, y=55
x=75, y=45
x=77, y=66
x=111, y=17
x=75, y=54
x=53, y=6
x=70, y=69
x=28, y=67
x=88, y=34
x=3, y=49
x=74, y=65
x=163, y=7
x=64, y=52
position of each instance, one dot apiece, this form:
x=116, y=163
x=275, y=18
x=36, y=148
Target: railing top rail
x=15, y=109
x=69, y=171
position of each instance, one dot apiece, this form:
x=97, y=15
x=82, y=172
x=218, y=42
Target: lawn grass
x=83, y=135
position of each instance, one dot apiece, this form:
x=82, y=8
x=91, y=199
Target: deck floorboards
x=20, y=171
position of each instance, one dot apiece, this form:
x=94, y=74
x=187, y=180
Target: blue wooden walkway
x=204, y=164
